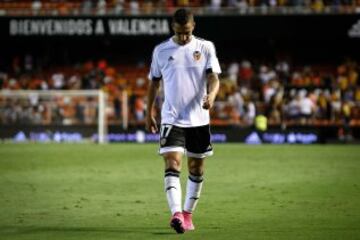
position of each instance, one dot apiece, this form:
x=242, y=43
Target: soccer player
x=189, y=68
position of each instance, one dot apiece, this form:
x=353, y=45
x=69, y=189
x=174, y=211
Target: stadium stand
x=135, y=7
x=264, y=70
x=318, y=95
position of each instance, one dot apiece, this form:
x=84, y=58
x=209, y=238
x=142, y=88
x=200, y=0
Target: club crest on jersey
x=162, y=141
x=197, y=55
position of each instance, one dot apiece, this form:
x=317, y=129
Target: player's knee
x=196, y=171
x=173, y=163
x=196, y=168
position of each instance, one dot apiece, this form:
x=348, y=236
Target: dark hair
x=183, y=16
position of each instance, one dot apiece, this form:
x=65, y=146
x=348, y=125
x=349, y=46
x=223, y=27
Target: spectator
x=58, y=80
x=275, y=107
x=148, y=7
x=283, y=70
x=139, y=109
x=345, y=131
x=266, y=74
x=246, y=74
x=86, y=7
x=134, y=7
x=336, y=106
x=101, y=7
x=237, y=102
x=307, y=108
x=36, y=7
x=215, y=6
x=318, y=6
x=292, y=109
x=243, y=6
x=28, y=63
x=119, y=6
x=233, y=72
x=323, y=103
x=183, y=3
x=250, y=111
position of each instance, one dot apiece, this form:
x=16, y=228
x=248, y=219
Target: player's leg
x=193, y=189
x=172, y=148
x=198, y=147
x=172, y=180
x=173, y=189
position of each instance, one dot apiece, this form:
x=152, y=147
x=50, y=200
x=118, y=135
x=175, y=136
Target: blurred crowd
x=123, y=84
x=134, y=7
x=283, y=93
x=286, y=94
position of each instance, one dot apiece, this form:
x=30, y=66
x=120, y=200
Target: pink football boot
x=177, y=222
x=188, y=224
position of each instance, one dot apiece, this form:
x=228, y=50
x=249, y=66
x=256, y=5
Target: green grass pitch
x=88, y=191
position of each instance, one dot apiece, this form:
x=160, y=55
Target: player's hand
x=151, y=125
x=208, y=101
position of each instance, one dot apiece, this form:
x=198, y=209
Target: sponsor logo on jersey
x=197, y=55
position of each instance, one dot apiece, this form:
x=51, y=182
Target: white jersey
x=183, y=70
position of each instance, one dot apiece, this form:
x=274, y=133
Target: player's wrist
x=212, y=96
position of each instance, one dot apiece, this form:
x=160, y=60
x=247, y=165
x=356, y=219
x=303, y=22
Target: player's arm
x=154, y=85
x=150, y=122
x=213, y=89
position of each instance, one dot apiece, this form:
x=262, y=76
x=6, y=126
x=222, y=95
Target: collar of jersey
x=178, y=45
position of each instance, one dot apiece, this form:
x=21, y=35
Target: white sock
x=193, y=190
x=173, y=190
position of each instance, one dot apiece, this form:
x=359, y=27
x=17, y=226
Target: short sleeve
x=155, y=73
x=212, y=64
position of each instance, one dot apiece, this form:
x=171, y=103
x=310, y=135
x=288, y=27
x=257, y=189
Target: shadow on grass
x=165, y=232
x=13, y=230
